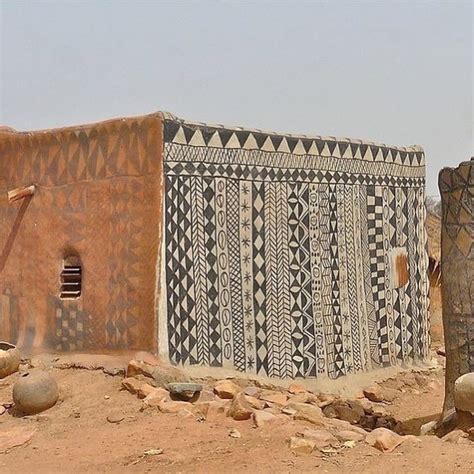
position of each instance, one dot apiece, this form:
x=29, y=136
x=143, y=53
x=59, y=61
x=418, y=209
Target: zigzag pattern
x=283, y=295
x=349, y=199
x=233, y=233
x=307, y=264
x=202, y=135
x=271, y=252
x=200, y=268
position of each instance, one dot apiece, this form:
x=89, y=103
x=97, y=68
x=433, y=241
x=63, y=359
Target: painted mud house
x=282, y=255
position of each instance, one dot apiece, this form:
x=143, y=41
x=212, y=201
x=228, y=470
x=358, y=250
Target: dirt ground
x=75, y=436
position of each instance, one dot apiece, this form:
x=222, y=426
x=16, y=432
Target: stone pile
x=331, y=423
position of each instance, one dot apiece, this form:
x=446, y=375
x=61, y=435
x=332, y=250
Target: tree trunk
x=457, y=272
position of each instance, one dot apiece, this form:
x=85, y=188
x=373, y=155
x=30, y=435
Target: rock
x=464, y=393
x=373, y=393
x=390, y=394
x=10, y=359
x=115, y=417
x=428, y=428
x=147, y=357
x=296, y=388
x=252, y=391
x=240, y=408
x=271, y=396
x=409, y=379
x=145, y=389
x=454, y=437
x=351, y=411
x=274, y=409
x=301, y=445
x=421, y=380
x=306, y=412
x=153, y=452
x=206, y=396
x=234, y=433
x=346, y=426
x=161, y=374
x=255, y=402
x=320, y=438
x=325, y=399
x=347, y=435
x=2, y=409
x=288, y=411
x=261, y=418
x=35, y=392
x=212, y=409
x=304, y=397
x=174, y=406
x=184, y=391
x=15, y=437
x=137, y=367
x=156, y=396
x=226, y=389
x=383, y=439
x=132, y=385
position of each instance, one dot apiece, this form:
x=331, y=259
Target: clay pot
x=35, y=392
x=9, y=359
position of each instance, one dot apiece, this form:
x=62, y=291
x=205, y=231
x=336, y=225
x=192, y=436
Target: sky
x=389, y=71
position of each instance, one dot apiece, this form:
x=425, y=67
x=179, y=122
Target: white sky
x=389, y=71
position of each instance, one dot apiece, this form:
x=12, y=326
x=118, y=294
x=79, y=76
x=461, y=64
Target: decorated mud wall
x=277, y=255
x=97, y=201
x=292, y=256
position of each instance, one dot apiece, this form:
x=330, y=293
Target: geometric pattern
x=278, y=252
x=99, y=187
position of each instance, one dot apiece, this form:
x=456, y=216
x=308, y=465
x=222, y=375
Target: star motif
x=249, y=325
x=245, y=207
x=247, y=277
x=250, y=362
x=246, y=258
x=245, y=189
x=248, y=311
x=247, y=295
x=250, y=342
x=246, y=242
x=246, y=224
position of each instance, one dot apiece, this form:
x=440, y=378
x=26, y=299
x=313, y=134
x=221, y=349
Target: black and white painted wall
x=279, y=252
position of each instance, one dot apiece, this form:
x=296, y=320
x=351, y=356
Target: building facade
x=278, y=255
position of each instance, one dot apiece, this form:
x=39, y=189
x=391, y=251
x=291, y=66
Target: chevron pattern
x=291, y=242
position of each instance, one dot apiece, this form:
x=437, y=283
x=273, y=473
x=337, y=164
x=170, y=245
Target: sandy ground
x=75, y=436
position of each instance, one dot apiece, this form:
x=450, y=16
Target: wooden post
x=20, y=193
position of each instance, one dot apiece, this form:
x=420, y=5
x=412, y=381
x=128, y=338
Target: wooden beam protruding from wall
x=20, y=193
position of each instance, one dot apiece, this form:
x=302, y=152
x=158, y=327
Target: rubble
x=273, y=397
x=383, y=439
x=262, y=418
x=320, y=438
x=184, y=390
x=226, y=389
x=301, y=445
x=15, y=437
x=240, y=408
x=296, y=388
x=235, y=433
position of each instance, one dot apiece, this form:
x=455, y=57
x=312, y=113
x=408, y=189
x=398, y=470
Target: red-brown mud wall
x=98, y=197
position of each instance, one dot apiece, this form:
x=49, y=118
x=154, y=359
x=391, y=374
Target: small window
x=71, y=278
